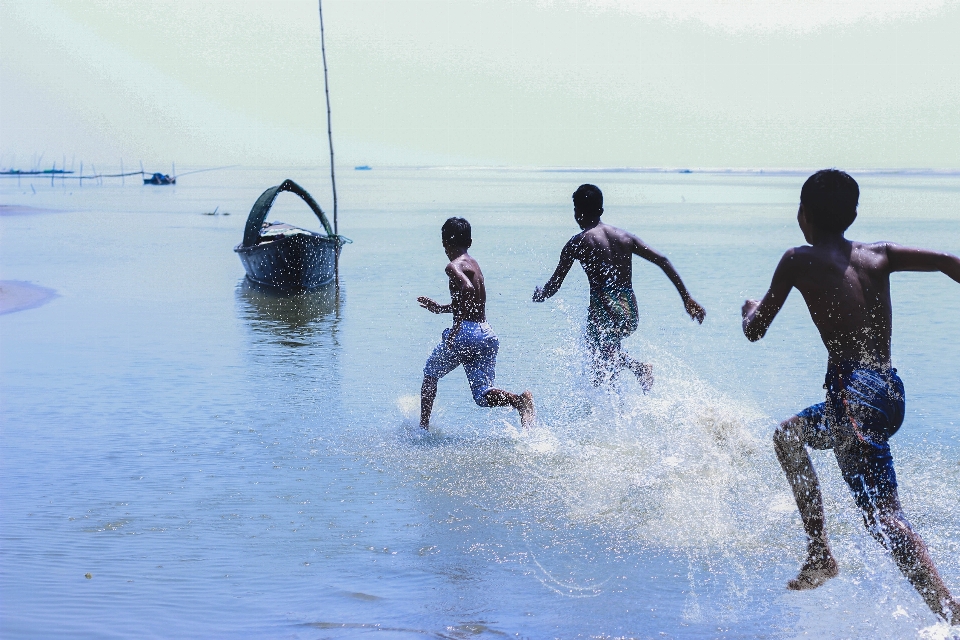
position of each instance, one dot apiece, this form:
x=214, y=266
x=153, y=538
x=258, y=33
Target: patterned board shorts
x=612, y=317
x=863, y=408
x=475, y=347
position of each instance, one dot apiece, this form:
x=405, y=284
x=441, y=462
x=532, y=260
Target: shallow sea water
x=224, y=463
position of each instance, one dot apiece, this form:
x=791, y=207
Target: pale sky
x=588, y=83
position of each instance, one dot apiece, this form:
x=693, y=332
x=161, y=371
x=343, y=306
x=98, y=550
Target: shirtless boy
x=470, y=341
x=606, y=254
x=846, y=286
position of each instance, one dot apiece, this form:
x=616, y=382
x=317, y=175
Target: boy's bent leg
x=790, y=446
x=523, y=403
x=891, y=527
x=442, y=361
x=428, y=393
x=642, y=370
x=867, y=467
x=607, y=360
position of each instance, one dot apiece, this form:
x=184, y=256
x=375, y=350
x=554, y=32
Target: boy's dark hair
x=829, y=198
x=456, y=232
x=588, y=198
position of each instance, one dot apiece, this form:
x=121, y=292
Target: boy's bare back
x=468, y=294
x=847, y=290
x=846, y=286
x=606, y=254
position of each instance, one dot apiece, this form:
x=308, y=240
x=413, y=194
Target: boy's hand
x=696, y=312
x=429, y=305
x=749, y=308
x=538, y=295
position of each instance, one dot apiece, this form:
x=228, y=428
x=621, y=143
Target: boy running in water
x=846, y=286
x=470, y=341
x=606, y=254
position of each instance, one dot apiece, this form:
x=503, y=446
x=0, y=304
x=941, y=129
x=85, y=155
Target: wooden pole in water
x=333, y=179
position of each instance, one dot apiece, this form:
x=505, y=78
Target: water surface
x=225, y=463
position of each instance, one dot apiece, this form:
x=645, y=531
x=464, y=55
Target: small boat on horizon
x=362, y=167
x=160, y=178
x=286, y=258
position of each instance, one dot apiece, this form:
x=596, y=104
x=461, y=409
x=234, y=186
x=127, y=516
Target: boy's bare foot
x=644, y=373
x=953, y=609
x=527, y=413
x=819, y=567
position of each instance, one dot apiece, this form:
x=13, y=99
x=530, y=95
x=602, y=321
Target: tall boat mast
x=326, y=90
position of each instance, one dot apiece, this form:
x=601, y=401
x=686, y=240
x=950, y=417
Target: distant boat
x=160, y=178
x=362, y=167
x=284, y=257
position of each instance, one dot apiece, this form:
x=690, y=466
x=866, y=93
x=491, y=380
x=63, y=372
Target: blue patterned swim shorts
x=475, y=347
x=863, y=408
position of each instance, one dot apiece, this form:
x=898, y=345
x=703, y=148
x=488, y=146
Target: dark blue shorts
x=863, y=409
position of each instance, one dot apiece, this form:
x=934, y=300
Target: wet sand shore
x=23, y=210
x=16, y=295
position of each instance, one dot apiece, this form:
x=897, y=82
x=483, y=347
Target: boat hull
x=293, y=263
x=160, y=179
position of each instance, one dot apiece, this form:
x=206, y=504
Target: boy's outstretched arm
x=433, y=306
x=912, y=259
x=563, y=268
x=652, y=255
x=757, y=315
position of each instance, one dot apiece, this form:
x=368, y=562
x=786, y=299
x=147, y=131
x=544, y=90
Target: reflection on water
x=294, y=318
x=294, y=365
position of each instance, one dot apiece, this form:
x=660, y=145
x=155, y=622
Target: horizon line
x=571, y=169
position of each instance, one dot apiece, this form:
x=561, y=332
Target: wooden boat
x=283, y=257
x=159, y=178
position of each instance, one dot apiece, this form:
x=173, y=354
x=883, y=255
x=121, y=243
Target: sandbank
x=16, y=295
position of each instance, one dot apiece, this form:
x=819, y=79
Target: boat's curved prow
x=293, y=260
x=251, y=233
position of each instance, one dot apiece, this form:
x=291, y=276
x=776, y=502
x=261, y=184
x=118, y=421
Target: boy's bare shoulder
x=870, y=254
x=800, y=261
x=791, y=254
x=875, y=253
x=808, y=251
x=466, y=262
x=452, y=267
x=603, y=232
x=611, y=231
x=573, y=244
x=879, y=248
